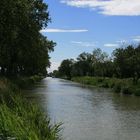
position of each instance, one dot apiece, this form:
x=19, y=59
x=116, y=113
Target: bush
x=104, y=85
x=100, y=80
x=112, y=85
x=137, y=92
x=117, y=87
x=127, y=90
x=24, y=82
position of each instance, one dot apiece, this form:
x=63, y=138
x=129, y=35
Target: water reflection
x=88, y=113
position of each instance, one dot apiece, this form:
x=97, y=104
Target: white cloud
x=76, y=42
x=108, y=7
x=136, y=39
x=54, y=66
x=84, y=44
x=122, y=41
x=111, y=45
x=63, y=30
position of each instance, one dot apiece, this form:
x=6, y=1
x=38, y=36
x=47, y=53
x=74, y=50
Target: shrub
x=24, y=82
x=104, y=85
x=137, y=92
x=99, y=80
x=127, y=90
x=111, y=85
x=117, y=87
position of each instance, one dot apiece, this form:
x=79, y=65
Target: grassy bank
x=124, y=86
x=21, y=119
x=24, y=82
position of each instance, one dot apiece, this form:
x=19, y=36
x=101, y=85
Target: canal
x=88, y=113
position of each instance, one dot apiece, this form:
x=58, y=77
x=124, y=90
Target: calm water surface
x=88, y=113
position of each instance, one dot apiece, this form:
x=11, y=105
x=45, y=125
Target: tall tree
x=66, y=68
x=23, y=50
x=99, y=60
x=84, y=64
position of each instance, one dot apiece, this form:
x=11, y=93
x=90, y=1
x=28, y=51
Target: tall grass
x=23, y=120
x=124, y=86
x=25, y=82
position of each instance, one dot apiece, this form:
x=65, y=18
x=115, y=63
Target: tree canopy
x=23, y=49
x=124, y=63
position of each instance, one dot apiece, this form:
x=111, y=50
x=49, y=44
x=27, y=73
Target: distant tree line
x=124, y=63
x=23, y=49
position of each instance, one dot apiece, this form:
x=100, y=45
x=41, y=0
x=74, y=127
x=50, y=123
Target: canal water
x=88, y=113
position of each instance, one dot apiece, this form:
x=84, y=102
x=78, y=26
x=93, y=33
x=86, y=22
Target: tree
x=99, y=60
x=127, y=62
x=23, y=50
x=84, y=64
x=124, y=63
x=119, y=61
x=66, y=68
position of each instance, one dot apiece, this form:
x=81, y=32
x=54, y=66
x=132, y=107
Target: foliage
x=117, y=87
x=127, y=62
x=127, y=90
x=124, y=86
x=124, y=63
x=23, y=50
x=137, y=92
x=21, y=119
x=25, y=82
x=66, y=68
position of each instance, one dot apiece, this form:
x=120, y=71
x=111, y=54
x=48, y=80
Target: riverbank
x=124, y=86
x=21, y=119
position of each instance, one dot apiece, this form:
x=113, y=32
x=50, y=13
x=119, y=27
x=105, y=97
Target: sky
x=82, y=25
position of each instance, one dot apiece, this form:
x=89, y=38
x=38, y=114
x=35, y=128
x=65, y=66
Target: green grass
x=25, y=82
x=21, y=119
x=124, y=86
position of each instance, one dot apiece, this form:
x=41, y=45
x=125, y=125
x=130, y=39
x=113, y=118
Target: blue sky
x=83, y=25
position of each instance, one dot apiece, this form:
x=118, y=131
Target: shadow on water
x=88, y=113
